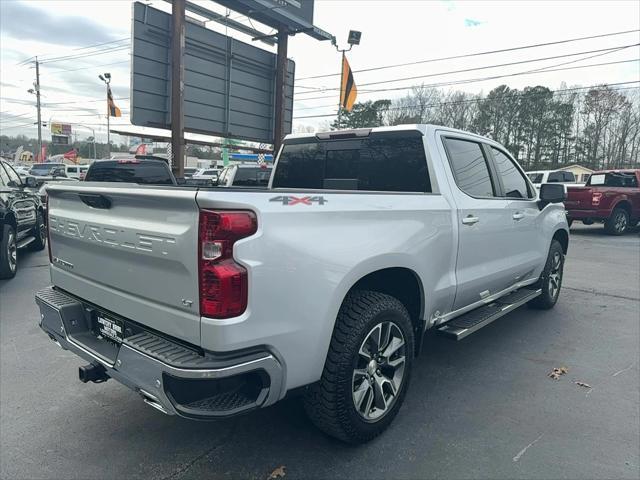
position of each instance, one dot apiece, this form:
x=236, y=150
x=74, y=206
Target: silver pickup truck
x=210, y=302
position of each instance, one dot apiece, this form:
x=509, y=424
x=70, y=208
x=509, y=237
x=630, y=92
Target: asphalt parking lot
x=480, y=408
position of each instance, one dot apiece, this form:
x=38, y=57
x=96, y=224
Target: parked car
x=47, y=169
x=76, y=171
x=210, y=174
x=551, y=176
x=145, y=170
x=189, y=171
x=21, y=170
x=213, y=302
x=244, y=176
x=609, y=196
x=21, y=219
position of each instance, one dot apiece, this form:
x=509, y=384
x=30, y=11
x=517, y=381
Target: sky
x=393, y=32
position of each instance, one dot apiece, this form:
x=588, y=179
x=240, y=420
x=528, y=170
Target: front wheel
x=367, y=370
x=617, y=223
x=8, y=253
x=551, y=279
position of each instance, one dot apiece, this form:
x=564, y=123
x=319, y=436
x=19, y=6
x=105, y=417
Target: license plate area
x=108, y=328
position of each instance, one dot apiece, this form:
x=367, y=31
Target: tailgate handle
x=95, y=201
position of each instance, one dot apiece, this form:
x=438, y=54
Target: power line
x=489, y=52
x=520, y=62
x=86, y=54
x=24, y=62
x=57, y=71
x=478, y=100
x=83, y=101
x=481, y=79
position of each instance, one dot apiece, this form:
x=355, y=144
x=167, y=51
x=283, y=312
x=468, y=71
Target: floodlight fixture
x=354, y=37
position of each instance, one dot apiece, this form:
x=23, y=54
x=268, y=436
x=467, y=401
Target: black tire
x=40, y=234
x=551, y=279
x=8, y=253
x=618, y=222
x=331, y=402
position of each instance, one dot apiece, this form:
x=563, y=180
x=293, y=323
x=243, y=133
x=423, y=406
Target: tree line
x=598, y=127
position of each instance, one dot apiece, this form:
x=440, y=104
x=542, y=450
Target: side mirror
x=552, y=193
x=30, y=182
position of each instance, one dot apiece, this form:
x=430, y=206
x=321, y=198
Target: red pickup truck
x=609, y=196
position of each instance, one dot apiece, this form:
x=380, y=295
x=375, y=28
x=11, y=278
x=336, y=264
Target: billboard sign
x=59, y=139
x=229, y=86
x=60, y=129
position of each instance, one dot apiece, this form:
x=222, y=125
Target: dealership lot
x=481, y=408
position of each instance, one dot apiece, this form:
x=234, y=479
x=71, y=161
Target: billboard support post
x=177, y=87
x=281, y=74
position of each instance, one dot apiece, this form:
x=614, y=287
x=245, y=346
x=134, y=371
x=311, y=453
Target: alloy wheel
x=12, y=252
x=555, y=277
x=379, y=372
x=620, y=222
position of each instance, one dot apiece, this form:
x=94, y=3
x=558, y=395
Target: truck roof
x=424, y=128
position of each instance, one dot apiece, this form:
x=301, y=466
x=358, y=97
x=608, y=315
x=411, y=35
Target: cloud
x=470, y=22
x=21, y=20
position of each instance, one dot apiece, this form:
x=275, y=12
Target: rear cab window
x=613, y=179
x=149, y=172
x=381, y=161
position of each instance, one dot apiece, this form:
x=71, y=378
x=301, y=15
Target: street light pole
x=107, y=80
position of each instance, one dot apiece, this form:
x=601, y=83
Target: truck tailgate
x=578, y=198
x=129, y=249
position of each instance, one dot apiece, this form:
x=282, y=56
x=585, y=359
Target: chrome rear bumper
x=170, y=377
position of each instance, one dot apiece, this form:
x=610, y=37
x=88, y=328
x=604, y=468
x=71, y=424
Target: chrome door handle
x=470, y=220
x=518, y=216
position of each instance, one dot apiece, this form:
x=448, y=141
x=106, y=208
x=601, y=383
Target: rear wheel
x=551, y=278
x=8, y=253
x=618, y=222
x=367, y=370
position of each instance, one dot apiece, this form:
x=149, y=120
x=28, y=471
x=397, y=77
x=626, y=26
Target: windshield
x=252, y=177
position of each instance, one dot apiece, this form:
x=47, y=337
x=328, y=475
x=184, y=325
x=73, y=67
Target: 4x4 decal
x=291, y=200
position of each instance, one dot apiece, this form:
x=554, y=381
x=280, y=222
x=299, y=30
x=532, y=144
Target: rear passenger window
x=515, y=186
x=555, y=177
x=469, y=167
x=383, y=163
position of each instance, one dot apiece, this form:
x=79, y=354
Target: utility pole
x=281, y=75
x=37, y=86
x=177, y=87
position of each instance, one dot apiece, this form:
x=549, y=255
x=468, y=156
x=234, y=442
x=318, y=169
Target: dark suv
x=21, y=219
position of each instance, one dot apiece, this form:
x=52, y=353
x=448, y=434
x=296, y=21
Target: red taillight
x=128, y=160
x=223, y=282
x=595, y=198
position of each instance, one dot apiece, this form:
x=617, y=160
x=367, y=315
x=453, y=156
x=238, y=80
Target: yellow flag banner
x=348, y=90
x=113, y=110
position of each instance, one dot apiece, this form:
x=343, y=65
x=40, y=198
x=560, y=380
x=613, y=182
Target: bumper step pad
x=470, y=322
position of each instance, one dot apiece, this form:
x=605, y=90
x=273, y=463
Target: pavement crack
x=184, y=468
x=521, y=452
x=623, y=370
x=602, y=294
